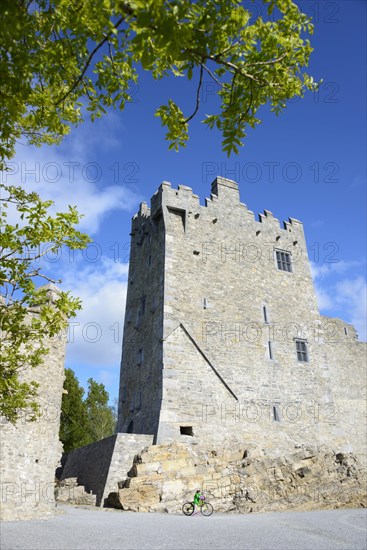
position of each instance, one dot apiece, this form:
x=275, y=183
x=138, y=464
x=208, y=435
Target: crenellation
x=184, y=188
x=144, y=210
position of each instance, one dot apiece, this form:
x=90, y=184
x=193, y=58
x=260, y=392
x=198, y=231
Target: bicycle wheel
x=188, y=508
x=207, y=509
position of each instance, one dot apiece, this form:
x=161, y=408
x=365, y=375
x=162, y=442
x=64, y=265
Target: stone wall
x=100, y=466
x=141, y=365
x=30, y=450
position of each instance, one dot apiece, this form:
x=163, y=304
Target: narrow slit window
x=276, y=415
x=140, y=356
x=270, y=347
x=265, y=314
x=138, y=400
x=138, y=318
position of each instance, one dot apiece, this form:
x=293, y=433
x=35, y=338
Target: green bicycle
x=205, y=507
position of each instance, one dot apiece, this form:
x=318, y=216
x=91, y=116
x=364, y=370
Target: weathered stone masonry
x=223, y=339
x=30, y=450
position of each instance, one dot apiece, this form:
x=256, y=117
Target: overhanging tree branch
x=197, y=96
x=88, y=62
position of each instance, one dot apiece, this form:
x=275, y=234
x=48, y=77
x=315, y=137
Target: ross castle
x=230, y=377
x=223, y=339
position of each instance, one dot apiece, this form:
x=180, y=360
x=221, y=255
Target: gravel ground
x=93, y=528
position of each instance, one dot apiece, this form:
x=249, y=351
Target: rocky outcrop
x=163, y=477
x=310, y=478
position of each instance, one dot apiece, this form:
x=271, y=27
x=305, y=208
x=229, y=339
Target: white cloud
x=324, y=299
x=352, y=295
x=323, y=270
x=74, y=174
x=342, y=292
x=95, y=335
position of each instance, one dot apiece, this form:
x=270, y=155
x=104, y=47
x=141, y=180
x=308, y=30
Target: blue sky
x=308, y=163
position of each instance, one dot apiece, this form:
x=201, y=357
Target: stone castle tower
x=30, y=450
x=223, y=339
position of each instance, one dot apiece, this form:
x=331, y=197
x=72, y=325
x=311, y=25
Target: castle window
x=143, y=304
x=140, y=357
x=345, y=331
x=138, y=318
x=265, y=314
x=149, y=260
x=186, y=430
x=154, y=304
x=138, y=400
x=276, y=414
x=302, y=351
x=270, y=347
x=177, y=217
x=284, y=261
x=130, y=427
x=124, y=394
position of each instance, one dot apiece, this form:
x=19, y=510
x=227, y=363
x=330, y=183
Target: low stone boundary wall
x=101, y=465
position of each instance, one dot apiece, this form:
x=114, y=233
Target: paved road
x=75, y=529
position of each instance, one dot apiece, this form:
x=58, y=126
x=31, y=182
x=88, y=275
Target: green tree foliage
x=28, y=316
x=57, y=56
x=84, y=420
x=74, y=415
x=101, y=422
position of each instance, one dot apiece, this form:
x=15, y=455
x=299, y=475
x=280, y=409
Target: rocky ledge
x=163, y=477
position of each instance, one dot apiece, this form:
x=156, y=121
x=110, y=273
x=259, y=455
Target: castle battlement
x=223, y=204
